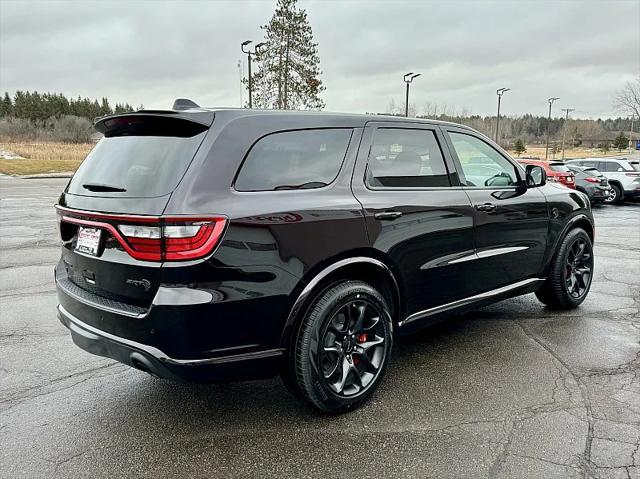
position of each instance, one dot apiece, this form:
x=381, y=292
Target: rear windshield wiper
x=103, y=187
x=303, y=186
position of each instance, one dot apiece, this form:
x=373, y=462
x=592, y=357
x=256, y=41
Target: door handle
x=486, y=207
x=388, y=215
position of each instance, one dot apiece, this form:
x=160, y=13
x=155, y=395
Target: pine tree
x=288, y=66
x=621, y=142
x=6, y=106
x=519, y=147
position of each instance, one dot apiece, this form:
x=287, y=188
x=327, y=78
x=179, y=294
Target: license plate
x=88, y=240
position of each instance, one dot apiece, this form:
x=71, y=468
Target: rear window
x=290, y=160
x=139, y=163
x=558, y=167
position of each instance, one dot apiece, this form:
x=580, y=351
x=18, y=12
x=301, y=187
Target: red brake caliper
x=362, y=338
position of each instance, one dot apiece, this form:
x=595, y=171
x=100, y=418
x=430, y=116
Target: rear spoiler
x=156, y=123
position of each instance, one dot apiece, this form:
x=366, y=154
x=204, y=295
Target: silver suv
x=623, y=177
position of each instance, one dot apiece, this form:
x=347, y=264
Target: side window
x=607, y=166
x=481, y=164
x=406, y=158
x=292, y=160
x=591, y=164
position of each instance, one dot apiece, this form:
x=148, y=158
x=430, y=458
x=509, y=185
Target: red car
x=556, y=171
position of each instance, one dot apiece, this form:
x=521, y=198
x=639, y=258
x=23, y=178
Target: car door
x=511, y=221
x=416, y=212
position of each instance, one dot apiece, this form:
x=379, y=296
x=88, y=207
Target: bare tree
x=627, y=99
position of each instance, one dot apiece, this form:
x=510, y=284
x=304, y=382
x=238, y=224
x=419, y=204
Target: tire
x=616, y=195
x=343, y=347
x=571, y=272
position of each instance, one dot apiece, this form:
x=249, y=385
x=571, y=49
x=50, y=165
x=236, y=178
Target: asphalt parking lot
x=512, y=390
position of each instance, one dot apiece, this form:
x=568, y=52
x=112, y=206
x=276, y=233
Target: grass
x=43, y=157
x=538, y=151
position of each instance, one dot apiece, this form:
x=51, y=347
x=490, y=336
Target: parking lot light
x=499, y=92
x=550, y=100
x=249, y=53
x=408, y=79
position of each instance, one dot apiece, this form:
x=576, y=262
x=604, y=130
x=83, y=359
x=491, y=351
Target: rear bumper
x=254, y=365
x=597, y=193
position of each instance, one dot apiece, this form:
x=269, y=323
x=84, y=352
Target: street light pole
x=499, y=92
x=249, y=53
x=564, y=129
x=546, y=152
x=631, y=134
x=408, y=78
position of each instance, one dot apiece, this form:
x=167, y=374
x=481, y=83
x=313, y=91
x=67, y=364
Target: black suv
x=216, y=245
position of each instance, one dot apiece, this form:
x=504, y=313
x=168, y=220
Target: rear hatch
x=110, y=215
x=563, y=174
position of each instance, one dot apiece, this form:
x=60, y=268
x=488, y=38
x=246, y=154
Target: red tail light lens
x=591, y=179
x=192, y=239
x=632, y=174
x=151, y=238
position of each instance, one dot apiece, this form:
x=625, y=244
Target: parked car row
x=623, y=176
x=620, y=180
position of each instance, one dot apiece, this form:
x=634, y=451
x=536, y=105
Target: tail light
x=152, y=238
x=632, y=174
x=591, y=179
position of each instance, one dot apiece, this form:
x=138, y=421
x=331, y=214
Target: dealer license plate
x=88, y=240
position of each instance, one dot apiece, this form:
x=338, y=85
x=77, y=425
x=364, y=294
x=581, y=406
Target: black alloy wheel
x=343, y=346
x=570, y=272
x=353, y=347
x=579, y=265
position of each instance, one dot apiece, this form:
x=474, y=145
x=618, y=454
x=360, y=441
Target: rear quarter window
x=301, y=159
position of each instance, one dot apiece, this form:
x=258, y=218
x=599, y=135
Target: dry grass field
x=44, y=157
x=538, y=152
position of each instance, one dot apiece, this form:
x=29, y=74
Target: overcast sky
x=146, y=52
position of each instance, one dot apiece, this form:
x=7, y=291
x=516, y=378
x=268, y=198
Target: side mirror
x=536, y=176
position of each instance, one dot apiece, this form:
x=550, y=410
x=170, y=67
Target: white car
x=623, y=177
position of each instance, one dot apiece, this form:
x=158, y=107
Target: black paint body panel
x=237, y=302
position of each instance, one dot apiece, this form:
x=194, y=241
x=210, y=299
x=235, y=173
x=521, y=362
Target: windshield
x=135, y=166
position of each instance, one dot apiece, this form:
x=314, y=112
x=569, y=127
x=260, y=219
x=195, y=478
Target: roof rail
x=184, y=104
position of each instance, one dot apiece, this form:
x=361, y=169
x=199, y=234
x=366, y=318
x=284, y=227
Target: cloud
x=149, y=53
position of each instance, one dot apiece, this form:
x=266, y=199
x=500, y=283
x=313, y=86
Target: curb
x=63, y=174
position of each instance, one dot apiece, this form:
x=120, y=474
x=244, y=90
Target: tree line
x=40, y=107
x=530, y=129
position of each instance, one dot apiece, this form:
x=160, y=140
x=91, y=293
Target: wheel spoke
x=369, y=344
x=338, y=386
x=357, y=327
x=366, y=362
x=334, y=368
x=335, y=349
x=581, y=279
x=374, y=323
x=570, y=283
